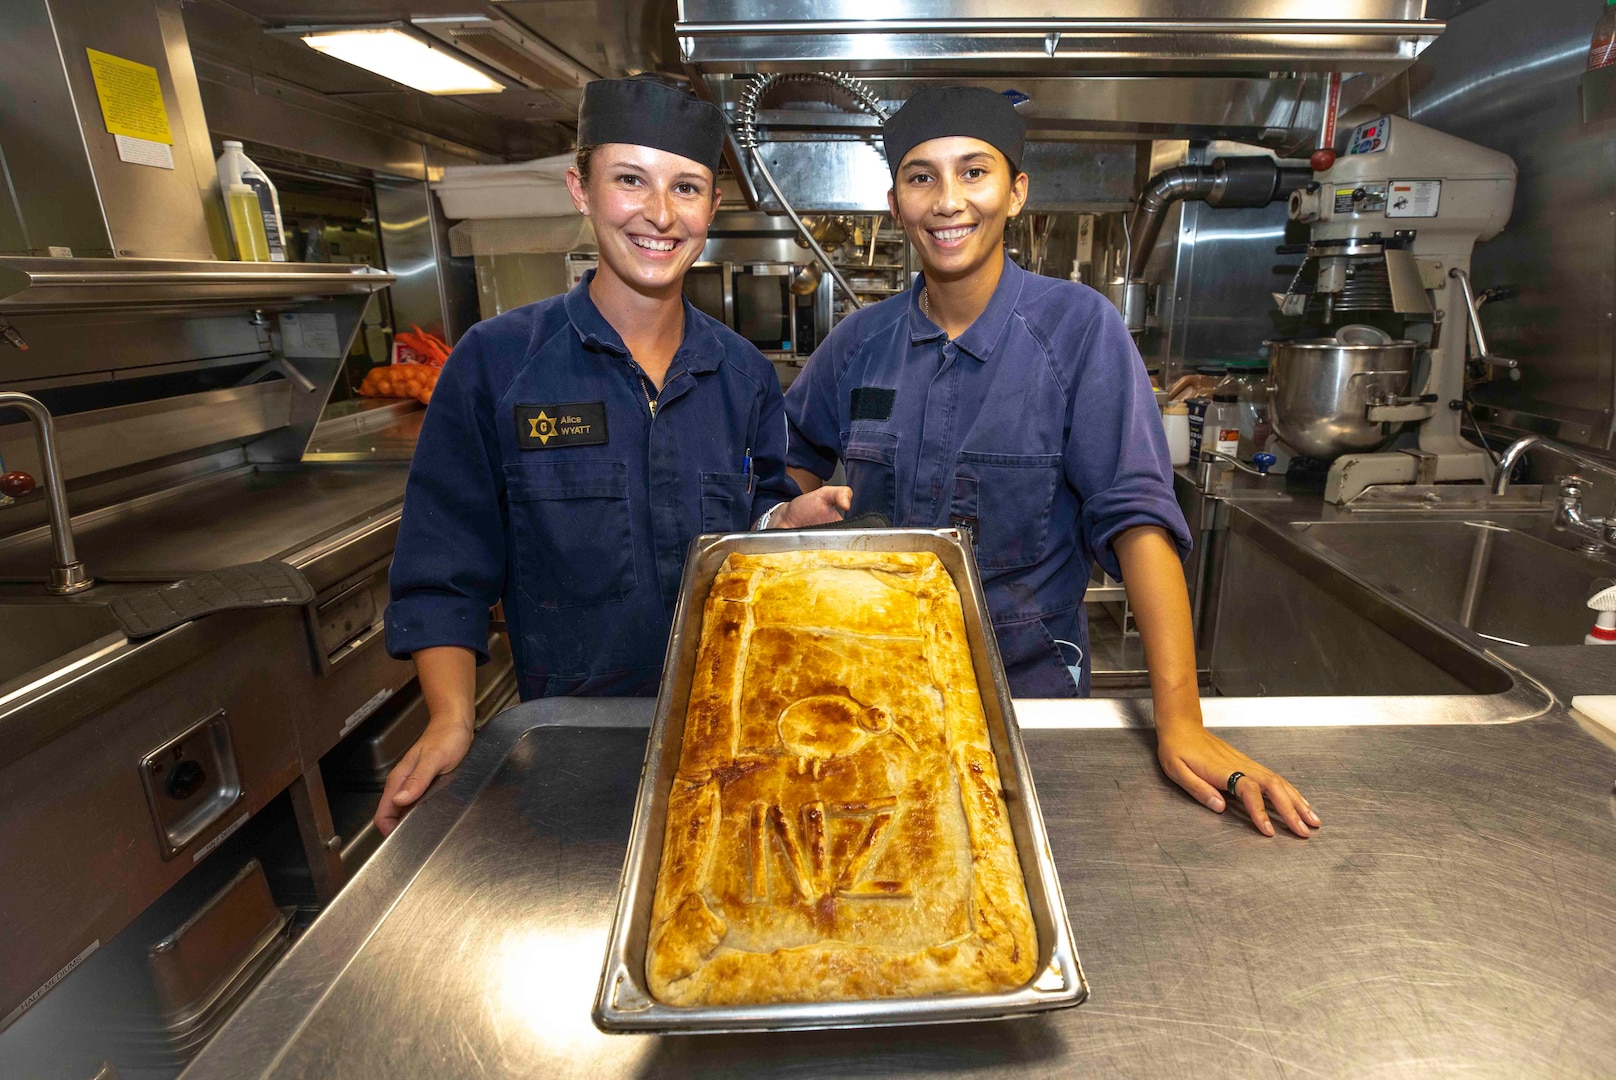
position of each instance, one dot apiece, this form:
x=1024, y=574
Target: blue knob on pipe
x=1263, y=462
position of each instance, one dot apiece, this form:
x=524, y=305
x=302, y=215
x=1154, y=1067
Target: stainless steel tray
x=623, y=1002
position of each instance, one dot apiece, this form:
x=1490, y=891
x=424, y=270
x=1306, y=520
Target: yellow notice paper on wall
x=131, y=98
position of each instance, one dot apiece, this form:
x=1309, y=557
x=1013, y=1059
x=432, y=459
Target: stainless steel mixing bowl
x=1318, y=390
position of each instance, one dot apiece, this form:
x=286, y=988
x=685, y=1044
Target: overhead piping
x=747, y=137
x=1227, y=182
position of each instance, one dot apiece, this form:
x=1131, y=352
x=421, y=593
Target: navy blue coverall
x=1036, y=430
x=544, y=477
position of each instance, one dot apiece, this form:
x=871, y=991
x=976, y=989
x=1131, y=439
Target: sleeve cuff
x=425, y=620
x=1100, y=540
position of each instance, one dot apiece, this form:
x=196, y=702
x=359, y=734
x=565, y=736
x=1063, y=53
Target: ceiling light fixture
x=509, y=50
x=395, y=54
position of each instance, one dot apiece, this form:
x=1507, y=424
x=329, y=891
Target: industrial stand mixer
x=1393, y=223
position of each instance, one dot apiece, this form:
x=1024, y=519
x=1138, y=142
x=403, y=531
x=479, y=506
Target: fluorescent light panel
x=395, y=55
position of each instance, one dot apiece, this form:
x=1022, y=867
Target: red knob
x=16, y=484
x=1322, y=160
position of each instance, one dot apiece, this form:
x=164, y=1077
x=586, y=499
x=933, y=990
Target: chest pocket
x=726, y=504
x=871, y=462
x=570, y=524
x=1008, y=499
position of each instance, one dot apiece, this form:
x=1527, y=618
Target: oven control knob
x=185, y=780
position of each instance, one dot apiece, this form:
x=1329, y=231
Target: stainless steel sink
x=41, y=640
x=1509, y=579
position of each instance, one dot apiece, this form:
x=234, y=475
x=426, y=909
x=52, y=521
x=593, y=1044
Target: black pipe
x=1227, y=182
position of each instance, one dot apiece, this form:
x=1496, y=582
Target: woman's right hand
x=440, y=748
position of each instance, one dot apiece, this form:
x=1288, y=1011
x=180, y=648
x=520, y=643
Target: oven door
x=765, y=310
x=707, y=287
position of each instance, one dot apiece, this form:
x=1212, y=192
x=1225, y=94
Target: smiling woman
x=575, y=447
x=1014, y=407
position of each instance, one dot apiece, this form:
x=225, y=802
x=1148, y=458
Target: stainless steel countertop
x=1457, y=914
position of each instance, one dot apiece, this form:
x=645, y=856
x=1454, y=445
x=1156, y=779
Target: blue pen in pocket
x=746, y=470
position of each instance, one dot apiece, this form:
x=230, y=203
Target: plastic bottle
x=1199, y=402
x=1222, y=423
x=1176, y=422
x=1255, y=428
x=1602, y=49
x=235, y=168
x=1604, y=628
x=247, y=224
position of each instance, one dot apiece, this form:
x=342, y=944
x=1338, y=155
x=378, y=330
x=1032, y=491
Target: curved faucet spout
x=1526, y=442
x=67, y=574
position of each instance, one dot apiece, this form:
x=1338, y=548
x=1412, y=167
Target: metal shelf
x=35, y=284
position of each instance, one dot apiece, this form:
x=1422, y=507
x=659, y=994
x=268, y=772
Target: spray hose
x=747, y=138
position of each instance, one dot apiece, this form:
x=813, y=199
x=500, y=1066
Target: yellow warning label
x=131, y=97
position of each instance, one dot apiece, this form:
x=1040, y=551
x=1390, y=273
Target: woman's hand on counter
x=440, y=748
x=818, y=507
x=1201, y=763
x=448, y=675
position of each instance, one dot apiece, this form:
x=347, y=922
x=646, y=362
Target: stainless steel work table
x=1457, y=914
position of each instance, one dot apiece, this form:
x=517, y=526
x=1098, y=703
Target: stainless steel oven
x=754, y=299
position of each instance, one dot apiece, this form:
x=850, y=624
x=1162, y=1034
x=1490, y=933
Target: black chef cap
x=937, y=112
x=646, y=111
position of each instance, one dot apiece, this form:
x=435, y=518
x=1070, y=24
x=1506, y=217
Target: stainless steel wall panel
x=151, y=212
x=1510, y=80
x=841, y=175
x=404, y=212
x=1213, y=269
x=49, y=186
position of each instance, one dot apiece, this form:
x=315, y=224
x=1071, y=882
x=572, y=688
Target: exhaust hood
x=1094, y=87
x=1033, y=37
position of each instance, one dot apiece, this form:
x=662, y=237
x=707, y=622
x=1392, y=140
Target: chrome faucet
x=1525, y=443
x=67, y=574
x=1594, y=534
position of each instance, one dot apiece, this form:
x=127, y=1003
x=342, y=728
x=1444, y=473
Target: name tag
x=550, y=427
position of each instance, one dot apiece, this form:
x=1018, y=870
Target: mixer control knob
x=16, y=484
x=1263, y=462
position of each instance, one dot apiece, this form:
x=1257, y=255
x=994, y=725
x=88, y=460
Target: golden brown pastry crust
x=836, y=829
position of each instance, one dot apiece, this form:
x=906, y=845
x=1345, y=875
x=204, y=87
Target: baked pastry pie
x=835, y=829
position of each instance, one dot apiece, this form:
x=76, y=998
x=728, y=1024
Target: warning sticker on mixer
x=1413, y=198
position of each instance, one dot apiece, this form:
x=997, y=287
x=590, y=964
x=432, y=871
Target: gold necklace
x=925, y=303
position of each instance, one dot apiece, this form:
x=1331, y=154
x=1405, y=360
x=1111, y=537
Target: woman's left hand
x=1201, y=763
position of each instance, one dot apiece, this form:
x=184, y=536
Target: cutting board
x=1600, y=709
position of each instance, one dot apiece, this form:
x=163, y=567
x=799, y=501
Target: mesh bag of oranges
x=417, y=357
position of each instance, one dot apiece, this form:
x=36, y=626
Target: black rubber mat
x=258, y=584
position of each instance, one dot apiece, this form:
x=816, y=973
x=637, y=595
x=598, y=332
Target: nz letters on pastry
x=836, y=829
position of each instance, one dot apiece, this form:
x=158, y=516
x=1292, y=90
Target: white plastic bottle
x=235, y=168
x=1604, y=628
x=1176, y=422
